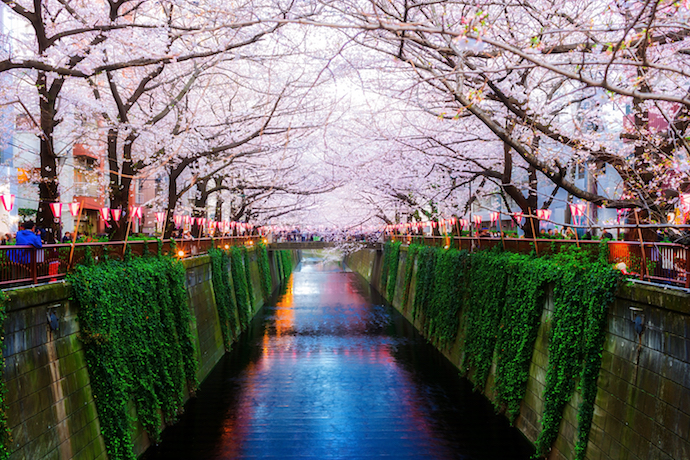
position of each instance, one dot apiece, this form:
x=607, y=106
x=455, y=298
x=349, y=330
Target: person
x=67, y=237
x=6, y=239
x=27, y=236
x=569, y=234
x=606, y=235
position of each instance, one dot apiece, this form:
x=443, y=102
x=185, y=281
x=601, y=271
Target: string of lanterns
x=477, y=219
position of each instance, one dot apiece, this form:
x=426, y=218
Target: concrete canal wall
x=642, y=408
x=51, y=408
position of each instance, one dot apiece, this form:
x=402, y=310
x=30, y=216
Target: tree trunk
x=48, y=187
x=120, y=181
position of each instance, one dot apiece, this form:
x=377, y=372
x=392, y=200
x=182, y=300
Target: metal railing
x=22, y=265
x=657, y=262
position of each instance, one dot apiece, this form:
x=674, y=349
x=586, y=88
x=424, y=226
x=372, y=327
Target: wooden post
x=577, y=239
x=687, y=267
x=129, y=226
x=33, y=265
x=644, y=257
x=74, y=237
x=500, y=232
x=534, y=234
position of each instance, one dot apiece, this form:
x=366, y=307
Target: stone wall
x=51, y=410
x=642, y=409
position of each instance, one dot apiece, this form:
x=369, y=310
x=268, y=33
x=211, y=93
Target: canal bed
x=327, y=370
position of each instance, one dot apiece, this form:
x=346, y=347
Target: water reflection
x=330, y=372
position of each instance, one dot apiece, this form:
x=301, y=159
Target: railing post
x=687, y=267
x=34, y=267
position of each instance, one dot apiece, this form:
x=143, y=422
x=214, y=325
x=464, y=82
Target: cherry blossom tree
x=553, y=82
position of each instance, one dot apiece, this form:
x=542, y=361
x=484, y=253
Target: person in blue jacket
x=25, y=237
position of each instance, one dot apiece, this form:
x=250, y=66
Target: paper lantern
x=116, y=213
x=136, y=211
x=494, y=216
x=57, y=209
x=160, y=216
x=477, y=220
x=187, y=219
x=8, y=202
x=543, y=214
x=74, y=208
x=577, y=209
x=178, y=220
x=105, y=213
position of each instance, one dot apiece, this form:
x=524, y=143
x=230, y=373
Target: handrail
x=22, y=265
x=654, y=261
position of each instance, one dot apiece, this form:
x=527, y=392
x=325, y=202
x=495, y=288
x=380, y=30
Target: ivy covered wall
x=133, y=340
x=485, y=310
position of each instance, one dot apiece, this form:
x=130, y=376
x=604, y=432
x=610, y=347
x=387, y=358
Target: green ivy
x=409, y=270
x=524, y=303
x=136, y=328
x=442, y=318
x=264, y=271
x=248, y=274
x=5, y=434
x=485, y=308
x=222, y=290
x=497, y=299
x=584, y=287
x=424, y=282
x=393, y=253
x=285, y=263
x=239, y=281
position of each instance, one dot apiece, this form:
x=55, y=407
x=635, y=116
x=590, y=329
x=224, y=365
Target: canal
x=327, y=370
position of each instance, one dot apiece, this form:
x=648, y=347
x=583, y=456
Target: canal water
x=328, y=371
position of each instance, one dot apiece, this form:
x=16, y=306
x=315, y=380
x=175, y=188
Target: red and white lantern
x=57, y=209
x=7, y=201
x=116, y=213
x=178, y=220
x=136, y=212
x=74, y=208
x=160, y=215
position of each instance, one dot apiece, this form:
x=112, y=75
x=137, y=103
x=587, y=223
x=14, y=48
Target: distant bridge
x=298, y=245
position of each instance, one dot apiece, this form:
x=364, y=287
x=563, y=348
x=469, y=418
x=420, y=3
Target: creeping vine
x=496, y=299
x=222, y=290
x=136, y=328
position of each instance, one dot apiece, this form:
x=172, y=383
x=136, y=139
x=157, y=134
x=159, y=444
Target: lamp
x=7, y=201
x=74, y=208
x=57, y=209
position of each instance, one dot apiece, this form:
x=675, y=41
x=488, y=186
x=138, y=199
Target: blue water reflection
x=327, y=371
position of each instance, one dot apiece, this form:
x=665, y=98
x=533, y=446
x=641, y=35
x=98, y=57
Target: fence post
x=642, y=253
x=687, y=267
x=34, y=267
